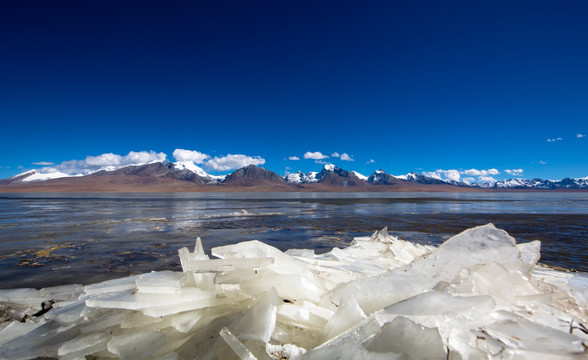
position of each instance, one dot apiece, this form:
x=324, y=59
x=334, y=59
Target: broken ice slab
x=16, y=329
x=112, y=286
x=23, y=297
x=293, y=287
x=438, y=303
x=136, y=301
x=43, y=341
x=69, y=313
x=160, y=282
x=520, y=334
x=62, y=293
x=403, y=336
x=138, y=345
x=283, y=264
x=242, y=352
x=82, y=345
x=164, y=310
x=259, y=321
x=347, y=316
x=223, y=265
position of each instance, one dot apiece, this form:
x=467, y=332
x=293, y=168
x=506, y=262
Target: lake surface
x=54, y=239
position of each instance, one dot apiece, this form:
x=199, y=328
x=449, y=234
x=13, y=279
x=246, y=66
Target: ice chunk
x=259, y=321
x=17, y=329
x=292, y=286
x=283, y=264
x=242, y=352
x=111, y=286
x=160, y=282
x=346, y=317
x=222, y=265
x=84, y=345
x=438, y=303
x=139, y=345
x=136, y=301
x=403, y=336
x=26, y=297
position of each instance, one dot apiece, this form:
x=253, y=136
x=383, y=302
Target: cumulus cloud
x=43, y=163
x=475, y=172
x=190, y=155
x=233, y=161
x=579, y=136
x=293, y=158
x=335, y=154
x=346, y=157
x=514, y=172
x=456, y=175
x=554, y=139
x=542, y=162
x=440, y=174
x=370, y=161
x=317, y=155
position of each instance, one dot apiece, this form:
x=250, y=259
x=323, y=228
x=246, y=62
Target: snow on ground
x=479, y=295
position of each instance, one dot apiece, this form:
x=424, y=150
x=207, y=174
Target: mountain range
x=186, y=176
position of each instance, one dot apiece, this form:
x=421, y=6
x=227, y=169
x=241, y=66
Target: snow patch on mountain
x=34, y=175
x=191, y=166
x=360, y=176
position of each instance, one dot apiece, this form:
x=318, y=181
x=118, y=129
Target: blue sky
x=425, y=86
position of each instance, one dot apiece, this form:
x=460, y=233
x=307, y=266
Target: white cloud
x=542, y=162
x=233, y=161
x=335, y=154
x=346, y=157
x=475, y=172
x=554, y=139
x=317, y=155
x=441, y=174
x=515, y=172
x=293, y=158
x=455, y=175
x=579, y=136
x=43, y=163
x=190, y=155
x=370, y=161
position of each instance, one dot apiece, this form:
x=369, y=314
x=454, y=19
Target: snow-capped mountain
x=422, y=179
x=566, y=183
x=301, y=178
x=183, y=170
x=329, y=175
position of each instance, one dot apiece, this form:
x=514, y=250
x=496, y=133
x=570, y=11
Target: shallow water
x=53, y=239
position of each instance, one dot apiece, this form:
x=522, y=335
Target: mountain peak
x=252, y=175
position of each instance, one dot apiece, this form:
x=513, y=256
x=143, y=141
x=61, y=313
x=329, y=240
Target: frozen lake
x=53, y=239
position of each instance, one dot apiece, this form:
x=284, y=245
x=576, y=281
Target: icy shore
x=478, y=295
